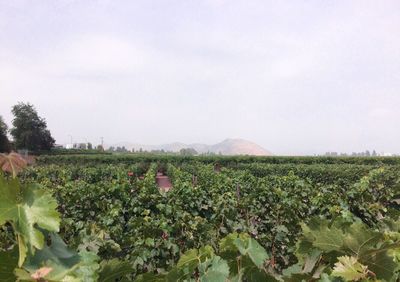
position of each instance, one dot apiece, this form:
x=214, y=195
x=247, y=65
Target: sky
x=296, y=77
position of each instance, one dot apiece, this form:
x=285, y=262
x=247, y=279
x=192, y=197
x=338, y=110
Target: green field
x=294, y=207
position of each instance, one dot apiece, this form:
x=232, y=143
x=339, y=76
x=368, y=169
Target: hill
x=226, y=147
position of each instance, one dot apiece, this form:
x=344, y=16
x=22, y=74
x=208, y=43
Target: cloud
x=97, y=55
x=296, y=78
x=382, y=113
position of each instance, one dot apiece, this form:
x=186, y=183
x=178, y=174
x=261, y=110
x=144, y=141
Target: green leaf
x=353, y=240
x=307, y=265
x=250, y=247
x=189, y=261
x=214, y=270
x=88, y=268
x=64, y=263
x=359, y=239
x=297, y=277
x=150, y=277
x=8, y=262
x=27, y=208
x=230, y=253
x=228, y=243
x=380, y=263
x=245, y=256
x=149, y=242
x=114, y=269
x=255, y=274
x=192, y=258
x=328, y=239
x=350, y=269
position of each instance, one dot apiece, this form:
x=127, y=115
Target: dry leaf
x=12, y=163
x=41, y=273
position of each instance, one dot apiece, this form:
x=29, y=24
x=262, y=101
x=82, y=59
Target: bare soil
x=163, y=182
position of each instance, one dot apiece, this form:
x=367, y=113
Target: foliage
x=242, y=258
x=29, y=130
x=27, y=209
x=326, y=250
x=111, y=270
x=4, y=142
x=188, y=152
x=350, y=250
x=38, y=252
x=226, y=161
x=289, y=221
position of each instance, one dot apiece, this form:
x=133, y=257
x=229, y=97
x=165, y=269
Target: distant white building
x=79, y=146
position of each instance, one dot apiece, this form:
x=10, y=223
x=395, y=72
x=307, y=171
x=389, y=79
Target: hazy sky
x=297, y=77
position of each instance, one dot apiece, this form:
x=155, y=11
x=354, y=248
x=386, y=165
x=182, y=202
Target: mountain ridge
x=229, y=146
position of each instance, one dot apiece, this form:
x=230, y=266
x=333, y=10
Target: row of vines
x=229, y=219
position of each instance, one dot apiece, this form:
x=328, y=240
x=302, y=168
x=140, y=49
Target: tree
x=29, y=130
x=89, y=146
x=4, y=142
x=188, y=152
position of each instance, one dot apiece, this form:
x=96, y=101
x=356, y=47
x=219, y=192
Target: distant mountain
x=226, y=147
x=239, y=147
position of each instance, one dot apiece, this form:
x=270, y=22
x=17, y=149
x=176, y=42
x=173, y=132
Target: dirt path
x=163, y=182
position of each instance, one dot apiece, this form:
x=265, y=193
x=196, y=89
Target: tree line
x=29, y=131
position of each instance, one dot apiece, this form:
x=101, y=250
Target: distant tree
x=367, y=153
x=89, y=146
x=29, y=130
x=188, y=152
x=121, y=150
x=374, y=153
x=4, y=142
x=100, y=148
x=133, y=150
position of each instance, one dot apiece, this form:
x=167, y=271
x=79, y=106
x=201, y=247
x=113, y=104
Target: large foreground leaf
x=61, y=263
x=27, y=208
x=191, y=259
x=114, y=269
x=8, y=262
x=246, y=246
x=356, y=240
x=214, y=270
x=350, y=269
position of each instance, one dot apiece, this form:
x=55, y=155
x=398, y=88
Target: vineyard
x=104, y=218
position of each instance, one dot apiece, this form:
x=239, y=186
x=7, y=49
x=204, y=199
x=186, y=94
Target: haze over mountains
x=226, y=147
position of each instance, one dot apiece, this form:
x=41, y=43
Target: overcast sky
x=296, y=77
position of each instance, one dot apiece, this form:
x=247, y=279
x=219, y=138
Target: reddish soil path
x=163, y=182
